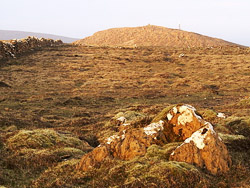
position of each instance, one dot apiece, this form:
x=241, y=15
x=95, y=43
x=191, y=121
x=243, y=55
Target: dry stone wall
x=13, y=48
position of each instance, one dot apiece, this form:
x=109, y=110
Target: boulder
x=204, y=149
x=174, y=124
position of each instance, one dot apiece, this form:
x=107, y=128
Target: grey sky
x=226, y=19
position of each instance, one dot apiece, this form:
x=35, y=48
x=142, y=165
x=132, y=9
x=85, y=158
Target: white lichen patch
x=153, y=128
x=112, y=138
x=121, y=119
x=198, y=139
x=187, y=114
x=183, y=108
x=175, y=110
x=169, y=116
x=125, y=124
x=123, y=135
x=199, y=136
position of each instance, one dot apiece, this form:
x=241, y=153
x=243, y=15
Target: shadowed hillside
x=151, y=35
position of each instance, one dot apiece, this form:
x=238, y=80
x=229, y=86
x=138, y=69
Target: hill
x=151, y=35
x=9, y=34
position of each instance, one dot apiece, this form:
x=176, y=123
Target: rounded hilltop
x=151, y=35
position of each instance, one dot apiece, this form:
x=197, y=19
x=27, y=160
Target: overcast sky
x=226, y=19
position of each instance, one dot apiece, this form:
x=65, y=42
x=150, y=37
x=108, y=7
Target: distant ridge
x=9, y=34
x=151, y=35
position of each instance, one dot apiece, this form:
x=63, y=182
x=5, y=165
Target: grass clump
x=41, y=138
x=221, y=128
x=239, y=125
x=239, y=149
x=28, y=153
x=41, y=148
x=129, y=115
x=39, y=159
x=58, y=176
x=161, y=153
x=163, y=114
x=208, y=114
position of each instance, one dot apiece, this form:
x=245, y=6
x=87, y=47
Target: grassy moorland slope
x=151, y=35
x=57, y=100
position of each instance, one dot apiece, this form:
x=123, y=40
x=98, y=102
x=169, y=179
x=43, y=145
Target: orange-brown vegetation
x=74, y=91
x=151, y=35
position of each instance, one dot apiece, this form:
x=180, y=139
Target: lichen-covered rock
x=125, y=145
x=204, y=149
x=177, y=123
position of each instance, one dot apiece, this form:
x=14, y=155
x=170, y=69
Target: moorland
x=55, y=104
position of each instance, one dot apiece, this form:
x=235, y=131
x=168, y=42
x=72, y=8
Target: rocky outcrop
x=16, y=47
x=202, y=146
x=126, y=145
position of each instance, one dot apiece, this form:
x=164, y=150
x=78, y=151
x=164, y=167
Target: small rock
x=221, y=115
x=182, y=55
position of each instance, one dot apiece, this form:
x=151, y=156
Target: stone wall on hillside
x=16, y=47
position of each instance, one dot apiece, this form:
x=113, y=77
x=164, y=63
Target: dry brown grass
x=79, y=88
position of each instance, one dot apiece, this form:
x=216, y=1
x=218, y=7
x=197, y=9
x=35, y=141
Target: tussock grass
x=41, y=138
